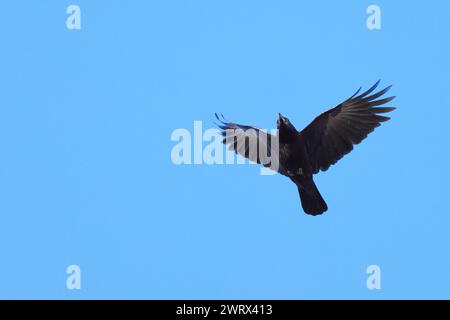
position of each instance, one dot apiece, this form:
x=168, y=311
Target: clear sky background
x=86, y=176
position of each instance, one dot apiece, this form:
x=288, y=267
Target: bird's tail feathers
x=310, y=197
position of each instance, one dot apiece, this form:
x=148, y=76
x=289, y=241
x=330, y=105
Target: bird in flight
x=301, y=154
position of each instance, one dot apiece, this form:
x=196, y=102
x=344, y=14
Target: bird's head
x=284, y=122
x=286, y=130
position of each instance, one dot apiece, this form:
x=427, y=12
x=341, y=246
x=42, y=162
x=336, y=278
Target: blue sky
x=86, y=176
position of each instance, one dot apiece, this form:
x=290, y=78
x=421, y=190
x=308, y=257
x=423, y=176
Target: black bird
x=323, y=142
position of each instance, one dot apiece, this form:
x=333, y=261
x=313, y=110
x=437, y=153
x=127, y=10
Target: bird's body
x=294, y=158
x=296, y=166
x=301, y=154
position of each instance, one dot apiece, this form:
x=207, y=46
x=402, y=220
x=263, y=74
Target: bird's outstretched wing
x=333, y=133
x=255, y=144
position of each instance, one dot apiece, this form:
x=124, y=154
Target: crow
x=301, y=154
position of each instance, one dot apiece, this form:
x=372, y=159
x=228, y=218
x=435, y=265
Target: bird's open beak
x=280, y=116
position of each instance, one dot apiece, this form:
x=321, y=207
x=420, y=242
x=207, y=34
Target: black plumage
x=300, y=155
